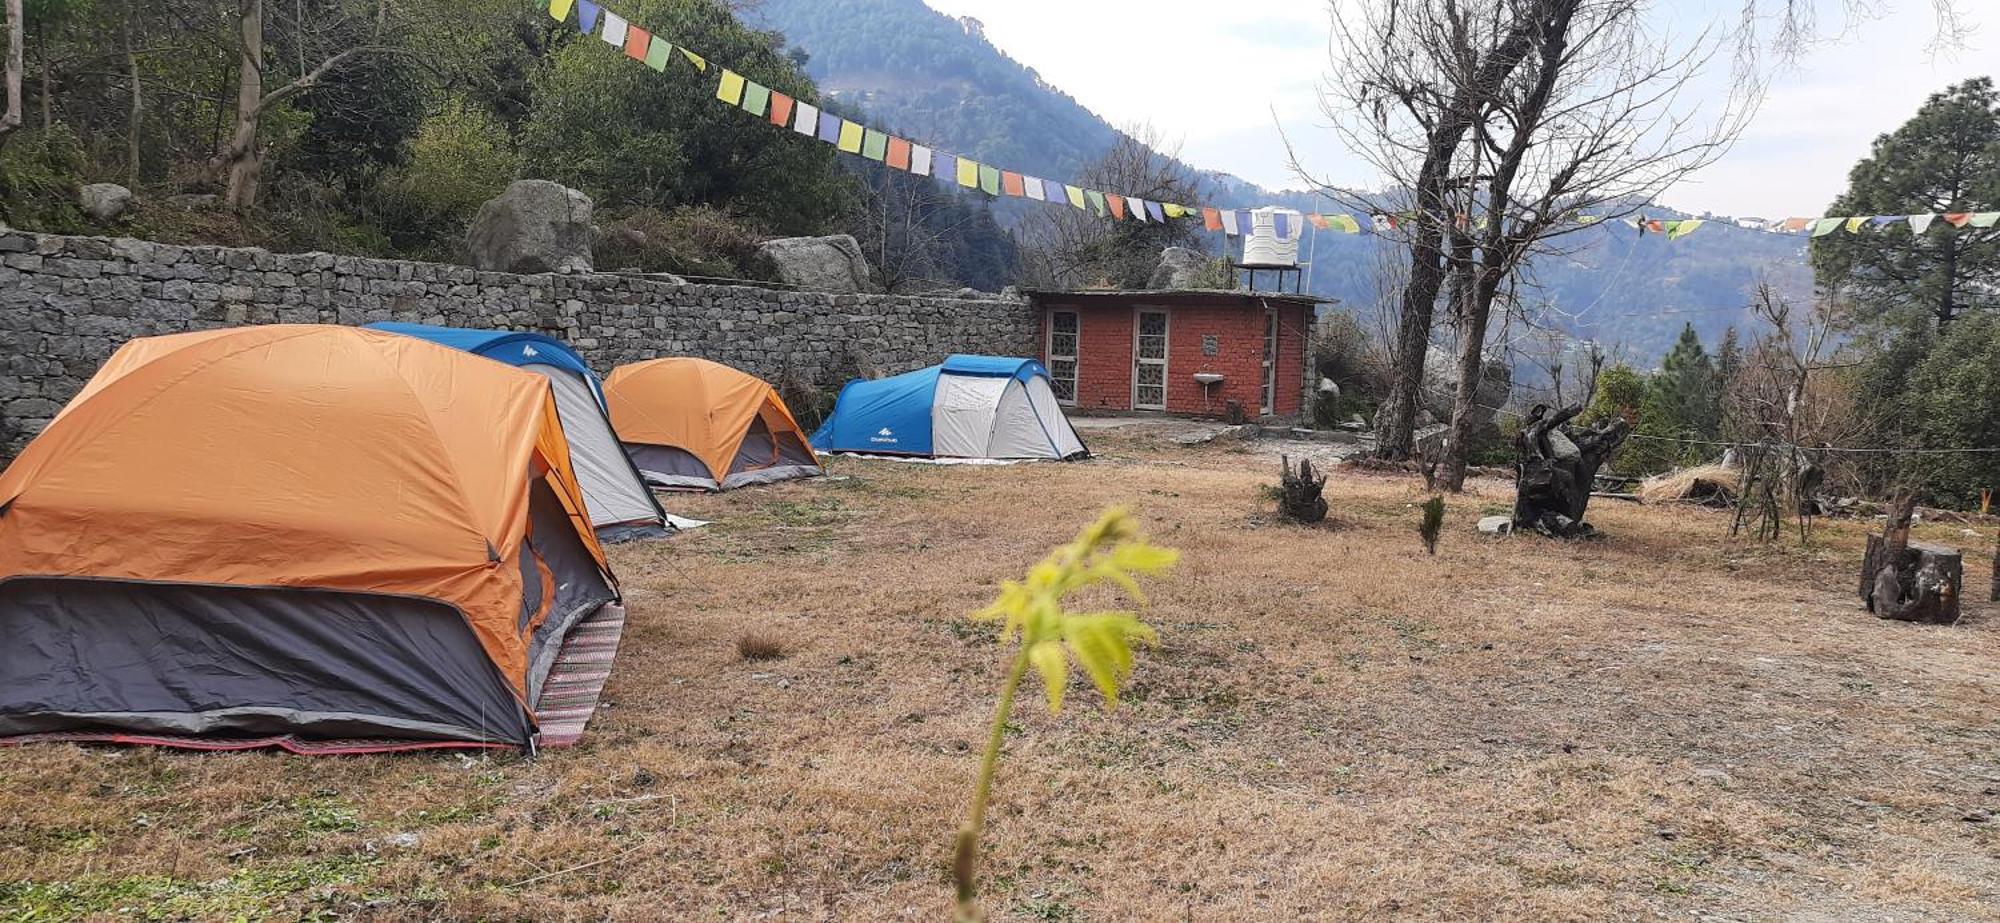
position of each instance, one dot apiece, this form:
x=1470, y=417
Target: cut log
x=1923, y=583
x=1302, y=500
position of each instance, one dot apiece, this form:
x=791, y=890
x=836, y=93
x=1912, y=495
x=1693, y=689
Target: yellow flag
x=1075, y=195
x=1345, y=224
x=731, y=90
x=968, y=173
x=700, y=63
x=1175, y=211
x=850, y=136
x=1854, y=224
x=560, y=8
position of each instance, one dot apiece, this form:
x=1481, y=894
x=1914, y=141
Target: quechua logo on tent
x=886, y=435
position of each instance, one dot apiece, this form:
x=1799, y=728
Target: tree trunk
x=1948, y=298
x=48, y=82
x=241, y=157
x=138, y=100
x=1396, y=430
x=1471, y=373
x=10, y=121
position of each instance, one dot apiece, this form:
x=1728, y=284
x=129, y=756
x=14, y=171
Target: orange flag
x=1117, y=203
x=1211, y=219
x=781, y=109
x=1011, y=183
x=1958, y=219
x=1318, y=221
x=899, y=153
x=637, y=42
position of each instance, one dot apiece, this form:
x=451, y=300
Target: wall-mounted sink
x=1207, y=378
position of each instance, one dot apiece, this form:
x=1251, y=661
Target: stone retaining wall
x=67, y=302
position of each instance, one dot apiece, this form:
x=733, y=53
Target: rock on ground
x=104, y=202
x=534, y=227
x=821, y=264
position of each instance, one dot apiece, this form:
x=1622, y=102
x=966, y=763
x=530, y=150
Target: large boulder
x=1496, y=385
x=821, y=264
x=104, y=202
x=1179, y=268
x=535, y=226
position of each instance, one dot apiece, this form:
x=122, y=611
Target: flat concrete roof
x=1171, y=296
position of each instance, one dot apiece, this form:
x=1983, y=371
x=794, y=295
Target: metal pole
x=1312, y=259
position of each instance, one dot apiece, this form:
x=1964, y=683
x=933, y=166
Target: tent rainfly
x=981, y=407
x=313, y=531
x=692, y=424
x=621, y=507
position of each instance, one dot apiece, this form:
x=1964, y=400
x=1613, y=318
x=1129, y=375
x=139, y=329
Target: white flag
x=805, y=119
x=1229, y=224
x=920, y=160
x=1921, y=223
x=1138, y=207
x=1034, y=188
x=615, y=28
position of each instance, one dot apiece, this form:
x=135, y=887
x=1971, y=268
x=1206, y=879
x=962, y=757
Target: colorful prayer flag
x=1230, y=225
x=1795, y=225
x=899, y=154
x=586, y=16
x=659, y=53
x=731, y=89
x=1588, y=220
x=1684, y=228
x=1345, y=224
x=1825, y=226
x=829, y=127
x=638, y=44
x=1156, y=212
x=1010, y=183
x=1985, y=219
x=1386, y=223
x=781, y=109
x=1656, y=226
x=968, y=173
x=1056, y=192
x=700, y=63
x=1854, y=224
x=1921, y=223
x=806, y=120
x=756, y=98
x=989, y=180
x=1885, y=220
x=947, y=167
x=1958, y=219
x=1035, y=188
x=875, y=145
x=851, y=135
x=1097, y=202
x=559, y=9
x=1317, y=221
x=920, y=160
x=615, y=28
x=1211, y=219
x=1176, y=211
x=1117, y=203
x=1138, y=207
x=1074, y=195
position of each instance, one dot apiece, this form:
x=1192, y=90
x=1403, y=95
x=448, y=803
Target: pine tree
x=1687, y=394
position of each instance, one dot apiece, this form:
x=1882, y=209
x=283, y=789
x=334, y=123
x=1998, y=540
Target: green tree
x=633, y=138
x=1944, y=160
x=1953, y=403
x=1687, y=389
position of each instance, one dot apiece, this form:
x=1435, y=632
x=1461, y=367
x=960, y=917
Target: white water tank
x=1274, y=238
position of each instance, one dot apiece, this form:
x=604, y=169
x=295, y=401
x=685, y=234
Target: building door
x=1062, y=352
x=1149, y=361
x=1270, y=362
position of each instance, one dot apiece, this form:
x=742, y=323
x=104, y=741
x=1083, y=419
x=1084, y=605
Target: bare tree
x=10, y=121
x=1067, y=247
x=905, y=225
x=1789, y=405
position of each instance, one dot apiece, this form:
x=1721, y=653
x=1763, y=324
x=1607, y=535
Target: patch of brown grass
x=1663, y=724
x=754, y=646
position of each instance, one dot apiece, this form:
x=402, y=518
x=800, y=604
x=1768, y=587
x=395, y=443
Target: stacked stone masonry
x=66, y=303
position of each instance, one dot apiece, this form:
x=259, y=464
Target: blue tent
x=967, y=407
x=620, y=505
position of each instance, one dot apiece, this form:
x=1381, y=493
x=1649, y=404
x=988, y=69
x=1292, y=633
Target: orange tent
x=284, y=529
x=691, y=423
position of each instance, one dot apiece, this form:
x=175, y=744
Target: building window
x=1063, y=337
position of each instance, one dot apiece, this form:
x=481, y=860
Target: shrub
x=755, y=646
x=40, y=172
x=692, y=241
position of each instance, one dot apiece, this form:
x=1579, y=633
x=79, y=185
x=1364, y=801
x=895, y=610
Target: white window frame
x=1271, y=344
x=1075, y=361
x=1164, y=362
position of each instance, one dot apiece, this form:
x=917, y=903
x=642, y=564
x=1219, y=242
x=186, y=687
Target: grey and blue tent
x=621, y=506
x=980, y=407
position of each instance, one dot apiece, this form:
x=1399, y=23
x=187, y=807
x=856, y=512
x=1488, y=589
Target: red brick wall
x=1104, y=366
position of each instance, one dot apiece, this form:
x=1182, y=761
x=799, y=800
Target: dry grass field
x=1661, y=725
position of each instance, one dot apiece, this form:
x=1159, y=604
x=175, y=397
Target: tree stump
x=1556, y=469
x=1301, y=500
x=1921, y=584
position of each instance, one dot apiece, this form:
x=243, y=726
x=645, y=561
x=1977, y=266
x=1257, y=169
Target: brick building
x=1182, y=352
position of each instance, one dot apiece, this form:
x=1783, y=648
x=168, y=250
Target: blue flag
x=1159, y=214
x=586, y=16
x=829, y=127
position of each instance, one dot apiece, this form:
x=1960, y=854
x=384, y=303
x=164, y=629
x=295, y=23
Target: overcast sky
x=1209, y=75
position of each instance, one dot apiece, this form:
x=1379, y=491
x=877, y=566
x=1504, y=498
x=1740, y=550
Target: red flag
x=1656, y=227
x=781, y=109
x=1117, y=203
x=1211, y=219
x=899, y=153
x=1958, y=219
x=1011, y=183
x=637, y=42
x=1318, y=221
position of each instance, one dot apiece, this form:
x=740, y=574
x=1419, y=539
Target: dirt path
x=1663, y=725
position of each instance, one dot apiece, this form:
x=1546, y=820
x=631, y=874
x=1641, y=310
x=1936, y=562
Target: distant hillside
x=915, y=70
